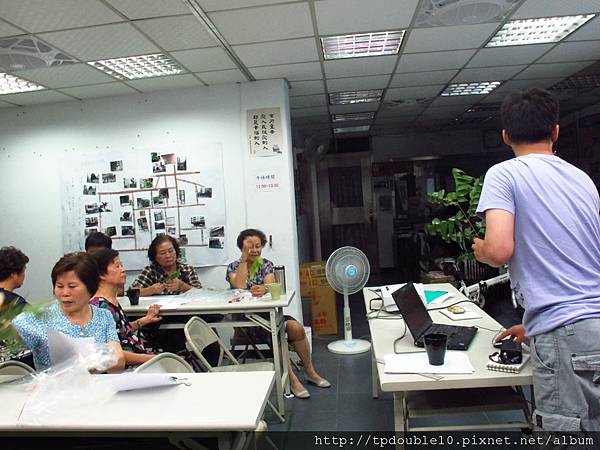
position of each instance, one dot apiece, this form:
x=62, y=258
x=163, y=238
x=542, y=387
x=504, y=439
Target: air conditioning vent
x=439, y=13
x=27, y=52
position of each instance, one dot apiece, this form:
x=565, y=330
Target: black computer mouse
x=498, y=344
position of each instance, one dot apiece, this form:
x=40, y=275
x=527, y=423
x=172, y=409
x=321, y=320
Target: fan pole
x=348, y=346
x=347, y=319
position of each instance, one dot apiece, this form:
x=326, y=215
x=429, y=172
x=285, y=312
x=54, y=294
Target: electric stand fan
x=347, y=271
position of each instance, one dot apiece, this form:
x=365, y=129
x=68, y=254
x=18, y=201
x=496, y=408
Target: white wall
x=34, y=139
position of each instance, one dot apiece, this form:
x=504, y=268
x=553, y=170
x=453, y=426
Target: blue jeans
x=566, y=377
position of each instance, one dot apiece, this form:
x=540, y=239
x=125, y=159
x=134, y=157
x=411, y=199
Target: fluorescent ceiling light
x=537, y=31
x=365, y=44
x=352, y=97
x=10, y=84
x=351, y=129
x=482, y=88
x=134, y=67
x=578, y=82
x=352, y=116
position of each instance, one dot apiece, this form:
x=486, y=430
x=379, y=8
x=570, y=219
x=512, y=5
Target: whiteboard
x=137, y=194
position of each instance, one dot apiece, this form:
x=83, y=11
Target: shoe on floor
x=300, y=394
x=322, y=383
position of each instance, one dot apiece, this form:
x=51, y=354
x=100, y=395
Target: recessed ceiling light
x=482, y=88
x=537, y=31
x=351, y=97
x=134, y=67
x=365, y=44
x=351, y=129
x=352, y=116
x=10, y=84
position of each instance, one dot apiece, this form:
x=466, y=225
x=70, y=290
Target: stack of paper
x=455, y=362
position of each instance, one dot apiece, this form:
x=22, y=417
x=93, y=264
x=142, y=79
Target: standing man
x=542, y=217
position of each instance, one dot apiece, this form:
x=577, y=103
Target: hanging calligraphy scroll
x=264, y=132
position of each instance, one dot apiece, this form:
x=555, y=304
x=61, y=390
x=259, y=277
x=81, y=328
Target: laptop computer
x=419, y=321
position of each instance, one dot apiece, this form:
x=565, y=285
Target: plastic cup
x=133, y=294
x=274, y=289
x=435, y=345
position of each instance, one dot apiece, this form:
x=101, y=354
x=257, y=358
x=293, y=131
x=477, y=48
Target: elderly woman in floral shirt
x=252, y=272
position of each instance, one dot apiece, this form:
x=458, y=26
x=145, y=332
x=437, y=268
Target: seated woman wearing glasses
x=112, y=278
x=166, y=275
x=251, y=272
x=74, y=277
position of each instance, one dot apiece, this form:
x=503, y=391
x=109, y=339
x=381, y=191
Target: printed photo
x=143, y=203
x=181, y=196
x=91, y=209
x=154, y=156
x=89, y=190
x=216, y=243
x=146, y=183
x=183, y=239
x=142, y=213
x=217, y=232
x=105, y=207
x=159, y=216
x=198, y=221
x=170, y=221
x=89, y=231
x=143, y=224
x=109, y=178
x=183, y=255
x=205, y=192
x=125, y=217
x=163, y=193
x=158, y=201
x=181, y=163
x=91, y=222
x=116, y=166
x=158, y=167
x=127, y=230
x=169, y=158
x=129, y=183
x=93, y=178
x=110, y=231
x=125, y=200
x=171, y=230
x=159, y=225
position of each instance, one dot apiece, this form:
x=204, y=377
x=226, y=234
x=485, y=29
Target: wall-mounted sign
x=264, y=132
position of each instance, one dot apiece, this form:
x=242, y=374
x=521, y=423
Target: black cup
x=435, y=344
x=133, y=294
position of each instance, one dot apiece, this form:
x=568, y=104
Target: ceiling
x=228, y=41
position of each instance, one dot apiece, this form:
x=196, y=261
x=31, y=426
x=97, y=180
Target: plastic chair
x=15, y=368
x=199, y=335
x=165, y=363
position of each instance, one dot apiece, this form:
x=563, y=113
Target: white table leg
x=399, y=413
x=374, y=376
x=278, y=359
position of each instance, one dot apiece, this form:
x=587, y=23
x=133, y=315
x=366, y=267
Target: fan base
x=351, y=347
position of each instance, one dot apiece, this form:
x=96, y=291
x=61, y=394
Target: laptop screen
x=413, y=310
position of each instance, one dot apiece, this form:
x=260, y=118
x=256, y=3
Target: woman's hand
x=157, y=288
x=245, y=252
x=258, y=290
x=152, y=315
x=174, y=285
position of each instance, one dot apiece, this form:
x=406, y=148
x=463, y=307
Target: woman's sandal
x=322, y=383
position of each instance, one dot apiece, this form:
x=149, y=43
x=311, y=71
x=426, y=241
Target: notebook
x=512, y=368
x=419, y=321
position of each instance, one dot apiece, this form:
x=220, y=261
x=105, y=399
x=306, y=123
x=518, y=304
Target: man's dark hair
x=103, y=258
x=12, y=260
x=83, y=265
x=529, y=116
x=251, y=232
x=159, y=240
x=98, y=239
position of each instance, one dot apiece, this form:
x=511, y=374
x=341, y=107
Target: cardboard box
x=314, y=285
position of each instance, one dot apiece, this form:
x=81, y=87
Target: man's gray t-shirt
x=555, y=267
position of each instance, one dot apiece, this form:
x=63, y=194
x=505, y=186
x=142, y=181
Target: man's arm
x=499, y=243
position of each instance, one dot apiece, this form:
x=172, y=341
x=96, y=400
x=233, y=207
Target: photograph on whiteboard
x=169, y=158
x=109, y=178
x=205, y=192
x=125, y=200
x=216, y=243
x=217, y=232
x=89, y=231
x=91, y=221
x=183, y=255
x=91, y=208
x=116, y=166
x=264, y=132
x=143, y=224
x=93, y=178
x=127, y=230
x=183, y=185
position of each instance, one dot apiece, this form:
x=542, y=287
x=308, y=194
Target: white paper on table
x=130, y=381
x=62, y=348
x=468, y=314
x=456, y=362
